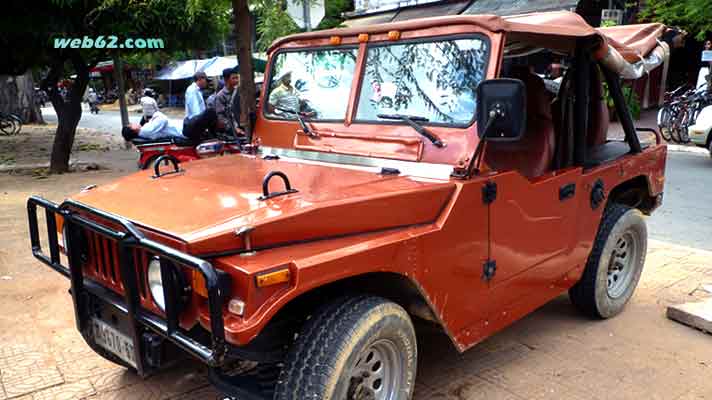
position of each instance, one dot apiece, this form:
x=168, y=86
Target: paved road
x=108, y=121
x=685, y=216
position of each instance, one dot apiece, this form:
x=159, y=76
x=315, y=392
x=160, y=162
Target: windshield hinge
x=489, y=269
x=489, y=192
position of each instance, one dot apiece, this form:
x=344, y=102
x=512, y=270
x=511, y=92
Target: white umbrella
x=218, y=64
x=181, y=69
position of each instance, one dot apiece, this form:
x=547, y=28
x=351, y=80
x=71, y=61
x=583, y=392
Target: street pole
x=307, y=14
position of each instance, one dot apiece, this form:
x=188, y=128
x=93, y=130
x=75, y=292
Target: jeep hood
x=211, y=199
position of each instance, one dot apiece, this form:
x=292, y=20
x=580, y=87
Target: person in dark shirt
x=227, y=104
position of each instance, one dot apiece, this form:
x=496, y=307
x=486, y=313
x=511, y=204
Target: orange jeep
x=426, y=170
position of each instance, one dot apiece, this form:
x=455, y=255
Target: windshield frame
x=267, y=90
x=428, y=39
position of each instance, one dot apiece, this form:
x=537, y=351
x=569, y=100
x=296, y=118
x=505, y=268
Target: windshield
x=314, y=82
x=435, y=80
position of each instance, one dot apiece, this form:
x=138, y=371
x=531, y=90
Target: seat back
x=533, y=154
x=598, y=115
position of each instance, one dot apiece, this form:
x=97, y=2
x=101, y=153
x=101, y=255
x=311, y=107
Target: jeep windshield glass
x=315, y=83
x=435, y=80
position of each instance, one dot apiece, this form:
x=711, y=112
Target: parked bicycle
x=680, y=110
x=10, y=124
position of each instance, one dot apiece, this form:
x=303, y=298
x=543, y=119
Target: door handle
x=567, y=191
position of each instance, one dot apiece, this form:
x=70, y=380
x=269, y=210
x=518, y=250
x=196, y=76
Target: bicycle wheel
x=17, y=122
x=664, y=115
x=7, y=126
x=683, y=135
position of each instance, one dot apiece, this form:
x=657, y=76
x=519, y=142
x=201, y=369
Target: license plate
x=114, y=341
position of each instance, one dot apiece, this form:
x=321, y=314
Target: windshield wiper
x=301, y=121
x=413, y=120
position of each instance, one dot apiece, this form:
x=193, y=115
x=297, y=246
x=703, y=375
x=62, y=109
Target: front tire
x=355, y=348
x=614, y=265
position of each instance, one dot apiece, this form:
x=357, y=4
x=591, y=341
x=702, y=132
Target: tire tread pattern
x=307, y=368
x=582, y=294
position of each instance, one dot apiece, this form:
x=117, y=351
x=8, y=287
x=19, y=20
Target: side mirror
x=501, y=110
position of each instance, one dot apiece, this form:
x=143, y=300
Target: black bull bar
x=130, y=238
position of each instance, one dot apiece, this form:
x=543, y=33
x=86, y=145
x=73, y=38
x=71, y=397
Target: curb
x=688, y=149
x=23, y=168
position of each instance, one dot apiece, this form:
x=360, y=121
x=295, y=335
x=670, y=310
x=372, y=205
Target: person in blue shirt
x=198, y=118
x=194, y=103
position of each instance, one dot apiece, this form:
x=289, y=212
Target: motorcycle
x=184, y=149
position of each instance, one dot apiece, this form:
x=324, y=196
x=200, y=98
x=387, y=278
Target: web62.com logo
x=108, y=42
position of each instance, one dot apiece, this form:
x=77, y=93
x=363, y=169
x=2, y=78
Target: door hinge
x=489, y=192
x=489, y=269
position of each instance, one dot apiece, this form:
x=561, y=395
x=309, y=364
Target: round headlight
x=155, y=283
x=65, y=239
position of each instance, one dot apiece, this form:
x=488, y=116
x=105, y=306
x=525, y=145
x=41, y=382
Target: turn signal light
x=335, y=40
x=363, y=37
x=273, y=278
x=393, y=35
x=199, y=286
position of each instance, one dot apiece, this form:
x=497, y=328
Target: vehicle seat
x=533, y=155
x=178, y=141
x=598, y=116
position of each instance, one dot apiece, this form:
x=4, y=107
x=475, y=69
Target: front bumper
x=139, y=322
x=697, y=135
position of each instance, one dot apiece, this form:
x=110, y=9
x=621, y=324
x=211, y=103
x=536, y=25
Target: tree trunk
x=68, y=116
x=119, y=74
x=243, y=25
x=68, y=112
x=17, y=96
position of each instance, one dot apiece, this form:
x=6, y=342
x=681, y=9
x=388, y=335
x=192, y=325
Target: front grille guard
x=130, y=302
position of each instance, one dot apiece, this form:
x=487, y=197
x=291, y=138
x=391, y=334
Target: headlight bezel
x=154, y=281
x=154, y=278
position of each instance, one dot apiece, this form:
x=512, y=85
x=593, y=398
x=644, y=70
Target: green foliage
x=608, y=23
x=273, y=21
x=631, y=100
x=694, y=16
x=334, y=9
x=30, y=27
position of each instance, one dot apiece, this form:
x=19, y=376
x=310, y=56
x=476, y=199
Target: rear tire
x=709, y=145
x=356, y=347
x=615, y=264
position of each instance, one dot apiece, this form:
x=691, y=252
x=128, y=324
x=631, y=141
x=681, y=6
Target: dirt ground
x=552, y=354
x=29, y=151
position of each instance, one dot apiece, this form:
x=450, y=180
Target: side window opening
x=537, y=153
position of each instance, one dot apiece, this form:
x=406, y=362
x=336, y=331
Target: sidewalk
x=552, y=354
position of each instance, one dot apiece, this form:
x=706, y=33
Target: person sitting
x=194, y=102
x=284, y=96
x=198, y=119
x=227, y=104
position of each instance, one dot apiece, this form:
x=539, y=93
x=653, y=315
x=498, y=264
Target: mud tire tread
x=310, y=365
x=583, y=294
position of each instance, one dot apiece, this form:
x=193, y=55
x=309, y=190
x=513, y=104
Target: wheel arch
x=392, y=286
x=636, y=193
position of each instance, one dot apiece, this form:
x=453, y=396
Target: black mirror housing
x=501, y=110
